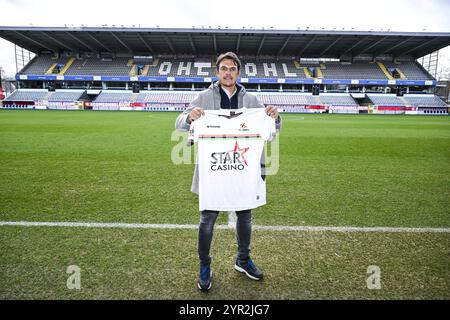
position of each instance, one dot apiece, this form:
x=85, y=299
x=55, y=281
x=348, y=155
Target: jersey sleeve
x=195, y=129
x=270, y=129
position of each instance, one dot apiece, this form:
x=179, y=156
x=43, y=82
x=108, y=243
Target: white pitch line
x=229, y=226
x=353, y=229
x=232, y=219
x=98, y=225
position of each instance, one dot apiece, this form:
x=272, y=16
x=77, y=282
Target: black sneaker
x=249, y=268
x=204, y=278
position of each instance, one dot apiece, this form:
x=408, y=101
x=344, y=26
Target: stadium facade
x=162, y=69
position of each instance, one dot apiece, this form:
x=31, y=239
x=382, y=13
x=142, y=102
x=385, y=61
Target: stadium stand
x=114, y=96
x=338, y=100
x=177, y=68
x=358, y=70
x=306, y=72
x=411, y=70
x=287, y=99
x=66, y=95
x=270, y=69
x=42, y=64
x=205, y=68
x=94, y=66
x=44, y=99
x=416, y=103
x=337, y=103
x=166, y=67
x=386, y=100
x=166, y=97
x=28, y=95
x=424, y=101
x=38, y=94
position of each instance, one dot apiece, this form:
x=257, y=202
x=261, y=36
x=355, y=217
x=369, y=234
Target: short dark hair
x=231, y=56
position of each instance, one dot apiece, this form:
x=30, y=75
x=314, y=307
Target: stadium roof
x=206, y=41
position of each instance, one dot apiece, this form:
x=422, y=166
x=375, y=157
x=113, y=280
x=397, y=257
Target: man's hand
x=272, y=112
x=195, y=114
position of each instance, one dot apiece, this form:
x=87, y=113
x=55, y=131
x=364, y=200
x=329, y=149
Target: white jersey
x=229, y=158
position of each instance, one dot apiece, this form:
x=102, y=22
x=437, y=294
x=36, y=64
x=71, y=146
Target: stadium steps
x=307, y=72
x=383, y=68
x=402, y=75
x=67, y=66
x=317, y=100
x=50, y=70
x=319, y=73
x=133, y=70
x=402, y=99
x=145, y=70
x=48, y=95
x=297, y=65
x=134, y=97
x=155, y=63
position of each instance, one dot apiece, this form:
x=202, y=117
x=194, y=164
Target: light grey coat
x=209, y=99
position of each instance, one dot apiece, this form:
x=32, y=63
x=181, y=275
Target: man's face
x=228, y=73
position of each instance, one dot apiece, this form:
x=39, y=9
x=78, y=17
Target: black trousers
x=206, y=230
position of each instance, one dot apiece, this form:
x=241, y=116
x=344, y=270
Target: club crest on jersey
x=243, y=127
x=229, y=160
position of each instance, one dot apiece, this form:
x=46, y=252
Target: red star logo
x=241, y=151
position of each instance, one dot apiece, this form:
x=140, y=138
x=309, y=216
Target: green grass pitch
x=335, y=170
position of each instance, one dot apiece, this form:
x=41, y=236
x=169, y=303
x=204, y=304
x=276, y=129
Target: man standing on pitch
x=226, y=93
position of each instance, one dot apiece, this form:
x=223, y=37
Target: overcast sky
x=396, y=15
